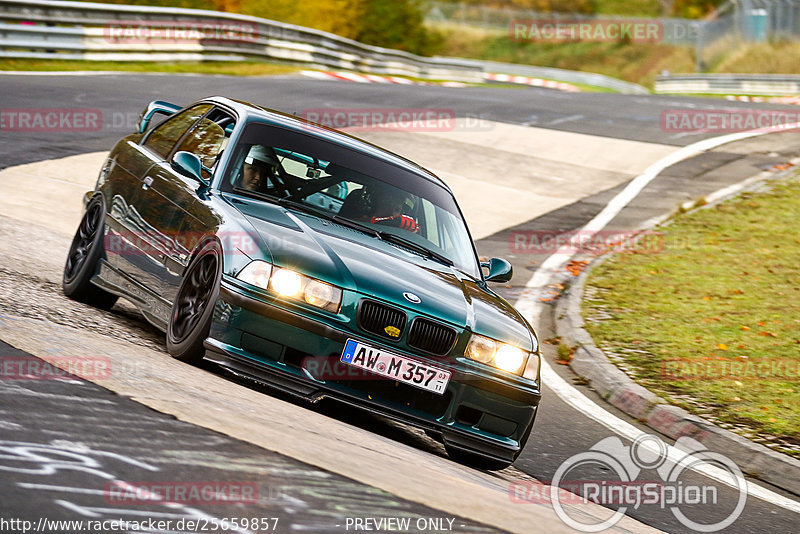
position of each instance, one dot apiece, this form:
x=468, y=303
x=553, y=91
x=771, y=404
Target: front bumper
x=286, y=348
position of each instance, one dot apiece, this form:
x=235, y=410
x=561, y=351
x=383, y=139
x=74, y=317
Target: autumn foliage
x=388, y=23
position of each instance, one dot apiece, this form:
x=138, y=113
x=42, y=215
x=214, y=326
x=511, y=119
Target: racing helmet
x=261, y=155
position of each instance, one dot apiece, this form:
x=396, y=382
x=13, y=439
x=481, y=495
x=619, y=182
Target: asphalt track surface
x=560, y=430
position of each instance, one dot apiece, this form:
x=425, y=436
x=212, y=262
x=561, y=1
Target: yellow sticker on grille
x=392, y=331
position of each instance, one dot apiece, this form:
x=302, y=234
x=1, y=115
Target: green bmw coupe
x=307, y=259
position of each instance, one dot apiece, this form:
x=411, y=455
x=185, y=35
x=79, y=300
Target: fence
x=675, y=30
x=734, y=22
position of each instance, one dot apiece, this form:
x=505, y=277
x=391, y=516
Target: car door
x=146, y=213
x=121, y=184
x=176, y=207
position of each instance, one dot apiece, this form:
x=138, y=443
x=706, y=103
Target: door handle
x=148, y=181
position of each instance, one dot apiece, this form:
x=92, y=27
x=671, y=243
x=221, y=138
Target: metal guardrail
x=82, y=30
x=730, y=84
x=571, y=76
x=47, y=29
x=91, y=31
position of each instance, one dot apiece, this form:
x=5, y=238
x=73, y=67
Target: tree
x=392, y=24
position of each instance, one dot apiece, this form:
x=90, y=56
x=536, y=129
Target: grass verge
x=250, y=68
x=712, y=321
x=245, y=68
x=634, y=62
x=638, y=63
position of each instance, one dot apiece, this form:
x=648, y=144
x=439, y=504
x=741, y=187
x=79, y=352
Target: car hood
x=356, y=261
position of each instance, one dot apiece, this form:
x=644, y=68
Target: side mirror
x=500, y=270
x=188, y=165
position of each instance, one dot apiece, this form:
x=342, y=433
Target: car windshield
x=347, y=186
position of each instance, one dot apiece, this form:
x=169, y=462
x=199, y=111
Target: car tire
x=190, y=319
x=84, y=256
x=474, y=460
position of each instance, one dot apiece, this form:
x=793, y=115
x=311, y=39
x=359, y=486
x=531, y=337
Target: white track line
x=529, y=306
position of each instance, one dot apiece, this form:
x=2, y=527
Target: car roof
x=249, y=111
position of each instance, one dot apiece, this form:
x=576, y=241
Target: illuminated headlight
x=291, y=284
x=501, y=355
x=256, y=273
x=287, y=283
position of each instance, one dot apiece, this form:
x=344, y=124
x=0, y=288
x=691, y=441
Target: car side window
x=209, y=137
x=165, y=135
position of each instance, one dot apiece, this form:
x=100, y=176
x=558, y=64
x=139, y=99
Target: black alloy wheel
x=193, y=308
x=84, y=257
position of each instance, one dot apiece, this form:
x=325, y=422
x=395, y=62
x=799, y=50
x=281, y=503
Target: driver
x=259, y=170
x=387, y=209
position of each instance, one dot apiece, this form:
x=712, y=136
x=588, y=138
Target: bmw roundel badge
x=411, y=297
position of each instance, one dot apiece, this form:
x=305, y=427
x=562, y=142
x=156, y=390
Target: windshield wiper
x=319, y=212
x=313, y=210
x=386, y=236
x=356, y=225
x=393, y=238
x=402, y=241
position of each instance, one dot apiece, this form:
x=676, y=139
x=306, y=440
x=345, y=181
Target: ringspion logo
x=624, y=487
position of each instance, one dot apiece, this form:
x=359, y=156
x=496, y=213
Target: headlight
x=286, y=283
x=291, y=284
x=532, y=368
x=501, y=355
x=481, y=349
x=321, y=294
x=509, y=358
x=256, y=273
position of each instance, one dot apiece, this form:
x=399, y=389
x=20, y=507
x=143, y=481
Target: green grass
x=634, y=62
x=629, y=8
x=638, y=63
x=770, y=58
x=724, y=291
x=248, y=68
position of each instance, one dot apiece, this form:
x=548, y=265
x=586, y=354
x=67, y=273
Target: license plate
x=395, y=367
